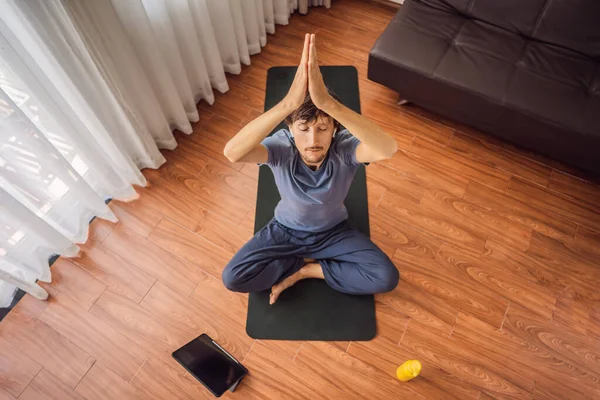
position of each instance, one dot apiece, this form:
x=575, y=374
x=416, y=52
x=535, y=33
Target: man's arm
x=375, y=144
x=247, y=140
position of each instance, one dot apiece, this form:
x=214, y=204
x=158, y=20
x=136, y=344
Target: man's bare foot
x=285, y=284
x=311, y=269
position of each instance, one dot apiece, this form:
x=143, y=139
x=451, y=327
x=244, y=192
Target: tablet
x=211, y=364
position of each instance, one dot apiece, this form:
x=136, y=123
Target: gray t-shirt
x=312, y=200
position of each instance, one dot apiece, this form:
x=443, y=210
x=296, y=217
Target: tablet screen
x=210, y=364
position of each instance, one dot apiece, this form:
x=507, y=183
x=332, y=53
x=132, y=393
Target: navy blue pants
x=351, y=262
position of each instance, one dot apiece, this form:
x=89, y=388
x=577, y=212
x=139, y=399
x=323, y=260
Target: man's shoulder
x=342, y=141
x=344, y=146
x=280, y=147
x=281, y=138
x=342, y=135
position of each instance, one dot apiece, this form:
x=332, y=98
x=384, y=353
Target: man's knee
x=388, y=278
x=246, y=276
x=230, y=279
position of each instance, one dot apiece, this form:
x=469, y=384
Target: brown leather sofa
x=524, y=70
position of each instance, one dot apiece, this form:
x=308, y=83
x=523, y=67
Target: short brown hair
x=309, y=112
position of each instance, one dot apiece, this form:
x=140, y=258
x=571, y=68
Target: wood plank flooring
x=498, y=250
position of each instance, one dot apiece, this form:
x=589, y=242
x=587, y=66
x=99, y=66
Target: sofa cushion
x=542, y=80
x=517, y=16
x=592, y=113
x=573, y=24
x=409, y=43
x=481, y=58
x=557, y=85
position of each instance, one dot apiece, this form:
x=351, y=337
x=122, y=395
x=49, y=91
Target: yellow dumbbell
x=409, y=370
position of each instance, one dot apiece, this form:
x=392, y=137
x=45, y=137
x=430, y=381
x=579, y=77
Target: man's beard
x=310, y=162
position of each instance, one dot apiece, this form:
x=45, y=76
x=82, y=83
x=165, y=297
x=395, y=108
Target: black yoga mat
x=311, y=310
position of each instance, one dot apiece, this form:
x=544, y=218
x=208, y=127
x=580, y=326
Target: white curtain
x=89, y=93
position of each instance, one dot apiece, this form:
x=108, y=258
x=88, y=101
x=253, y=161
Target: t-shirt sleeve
x=345, y=147
x=278, y=148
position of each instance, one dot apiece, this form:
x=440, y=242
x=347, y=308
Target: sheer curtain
x=89, y=93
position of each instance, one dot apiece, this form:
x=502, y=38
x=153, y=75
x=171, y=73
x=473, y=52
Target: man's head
x=313, y=131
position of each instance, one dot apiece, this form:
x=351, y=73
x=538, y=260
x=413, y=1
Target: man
x=313, y=165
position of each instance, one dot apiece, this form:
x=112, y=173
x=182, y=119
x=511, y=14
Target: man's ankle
x=302, y=271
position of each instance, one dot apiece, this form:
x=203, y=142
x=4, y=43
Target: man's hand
x=297, y=92
x=245, y=145
x=375, y=143
x=316, y=86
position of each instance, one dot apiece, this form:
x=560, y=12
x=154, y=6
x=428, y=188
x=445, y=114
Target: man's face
x=313, y=139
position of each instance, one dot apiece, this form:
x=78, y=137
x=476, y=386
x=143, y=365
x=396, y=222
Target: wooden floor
x=498, y=250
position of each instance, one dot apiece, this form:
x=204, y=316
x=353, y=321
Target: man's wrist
x=286, y=107
x=330, y=106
